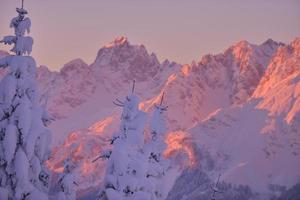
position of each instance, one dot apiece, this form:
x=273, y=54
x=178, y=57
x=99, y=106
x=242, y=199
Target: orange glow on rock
x=178, y=141
x=186, y=70
x=87, y=167
x=101, y=126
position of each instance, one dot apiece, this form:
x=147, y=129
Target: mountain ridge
x=217, y=94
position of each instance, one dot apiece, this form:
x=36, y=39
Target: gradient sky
x=180, y=30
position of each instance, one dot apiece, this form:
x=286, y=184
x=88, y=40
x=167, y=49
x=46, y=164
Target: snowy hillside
x=248, y=148
x=255, y=144
x=84, y=146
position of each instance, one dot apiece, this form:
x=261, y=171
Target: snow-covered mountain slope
x=67, y=89
x=249, y=148
x=279, y=88
x=83, y=146
x=217, y=81
x=256, y=144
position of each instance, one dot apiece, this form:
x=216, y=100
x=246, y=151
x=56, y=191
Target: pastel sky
x=180, y=30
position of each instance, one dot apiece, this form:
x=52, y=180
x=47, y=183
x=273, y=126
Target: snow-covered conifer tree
x=125, y=174
x=157, y=164
x=24, y=138
x=67, y=182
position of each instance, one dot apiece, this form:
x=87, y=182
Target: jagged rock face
x=249, y=64
x=284, y=63
x=243, y=66
x=67, y=89
x=280, y=86
x=216, y=81
x=132, y=60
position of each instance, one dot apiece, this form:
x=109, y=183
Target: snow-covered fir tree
x=24, y=137
x=67, y=182
x=127, y=166
x=157, y=164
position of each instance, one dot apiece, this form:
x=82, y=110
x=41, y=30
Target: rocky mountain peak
x=74, y=66
x=133, y=61
x=296, y=45
x=271, y=43
x=119, y=41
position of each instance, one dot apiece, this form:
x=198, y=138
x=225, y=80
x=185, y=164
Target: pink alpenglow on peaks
x=117, y=42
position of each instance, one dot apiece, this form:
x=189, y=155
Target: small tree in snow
x=125, y=174
x=67, y=182
x=215, y=190
x=157, y=164
x=24, y=138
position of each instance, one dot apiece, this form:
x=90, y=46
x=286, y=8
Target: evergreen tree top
x=21, y=10
x=21, y=24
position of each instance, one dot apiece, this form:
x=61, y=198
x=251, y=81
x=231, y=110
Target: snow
x=36, y=169
x=9, y=39
x=7, y=93
x=3, y=193
x=24, y=146
x=24, y=117
x=126, y=168
x=43, y=145
x=10, y=142
x=20, y=25
x=21, y=168
x=158, y=124
x=136, y=170
x=254, y=142
x=69, y=186
x=23, y=45
x=118, y=41
x=234, y=138
x=33, y=135
x=38, y=195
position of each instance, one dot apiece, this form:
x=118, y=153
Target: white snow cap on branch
x=22, y=44
x=158, y=124
x=20, y=25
